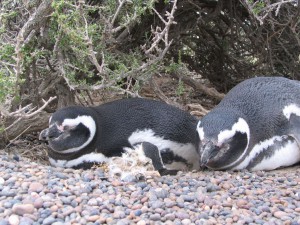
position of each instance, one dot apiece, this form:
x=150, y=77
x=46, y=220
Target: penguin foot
x=164, y=172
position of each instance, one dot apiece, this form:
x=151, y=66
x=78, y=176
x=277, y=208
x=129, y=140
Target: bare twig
x=27, y=32
x=22, y=115
x=11, y=141
x=92, y=54
x=197, y=110
x=164, y=34
x=121, y=3
x=185, y=75
x=46, y=103
x=265, y=11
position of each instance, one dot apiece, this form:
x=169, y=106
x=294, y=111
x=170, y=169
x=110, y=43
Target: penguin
x=255, y=127
x=80, y=137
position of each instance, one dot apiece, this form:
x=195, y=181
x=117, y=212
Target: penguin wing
x=294, y=127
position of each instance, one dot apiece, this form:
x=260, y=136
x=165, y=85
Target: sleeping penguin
x=256, y=127
x=80, y=137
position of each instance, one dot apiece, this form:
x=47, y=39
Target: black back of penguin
x=119, y=119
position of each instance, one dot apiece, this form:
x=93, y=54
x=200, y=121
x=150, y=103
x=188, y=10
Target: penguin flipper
x=151, y=151
x=295, y=127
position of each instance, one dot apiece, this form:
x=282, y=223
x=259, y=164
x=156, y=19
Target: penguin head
x=224, y=138
x=70, y=129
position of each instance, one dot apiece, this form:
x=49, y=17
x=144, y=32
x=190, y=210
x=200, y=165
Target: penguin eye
x=225, y=146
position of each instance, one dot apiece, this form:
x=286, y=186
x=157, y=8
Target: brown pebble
x=38, y=203
x=280, y=214
x=131, y=216
x=35, y=187
x=54, y=208
x=229, y=220
x=116, y=183
x=93, y=218
x=241, y=203
x=145, y=199
x=137, y=206
x=235, y=218
x=297, y=210
x=109, y=220
x=21, y=209
x=101, y=219
x=227, y=186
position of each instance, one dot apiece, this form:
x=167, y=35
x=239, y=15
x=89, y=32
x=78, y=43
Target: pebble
x=32, y=194
x=21, y=209
x=14, y=220
x=280, y=214
x=36, y=187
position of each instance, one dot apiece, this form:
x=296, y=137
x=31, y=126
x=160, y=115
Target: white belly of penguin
x=286, y=155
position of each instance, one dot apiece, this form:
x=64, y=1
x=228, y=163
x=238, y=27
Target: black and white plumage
x=81, y=136
x=256, y=126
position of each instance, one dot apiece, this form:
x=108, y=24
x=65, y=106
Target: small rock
x=119, y=214
x=4, y=222
x=157, y=204
x=57, y=223
x=182, y=215
x=141, y=222
x=280, y=214
x=138, y=212
x=49, y=220
x=186, y=221
x=38, y=203
x=116, y=183
x=93, y=202
x=155, y=217
x=93, y=218
x=161, y=193
x=14, y=220
x=241, y=203
x=170, y=216
x=26, y=221
x=36, y=187
x=21, y=209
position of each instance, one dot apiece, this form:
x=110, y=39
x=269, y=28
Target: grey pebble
x=26, y=221
x=3, y=222
x=155, y=217
x=60, y=175
x=58, y=223
x=49, y=220
x=156, y=204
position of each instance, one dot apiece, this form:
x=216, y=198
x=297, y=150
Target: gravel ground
x=31, y=193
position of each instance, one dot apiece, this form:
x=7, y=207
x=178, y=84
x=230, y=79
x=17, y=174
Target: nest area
x=133, y=165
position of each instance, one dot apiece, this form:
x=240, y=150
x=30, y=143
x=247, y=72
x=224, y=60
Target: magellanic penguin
x=256, y=127
x=82, y=136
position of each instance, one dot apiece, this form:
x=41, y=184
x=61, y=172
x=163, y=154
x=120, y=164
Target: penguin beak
x=50, y=133
x=209, y=151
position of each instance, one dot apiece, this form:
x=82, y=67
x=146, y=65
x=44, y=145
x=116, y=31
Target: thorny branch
x=26, y=33
x=92, y=54
x=262, y=14
x=164, y=34
x=159, y=36
x=23, y=112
